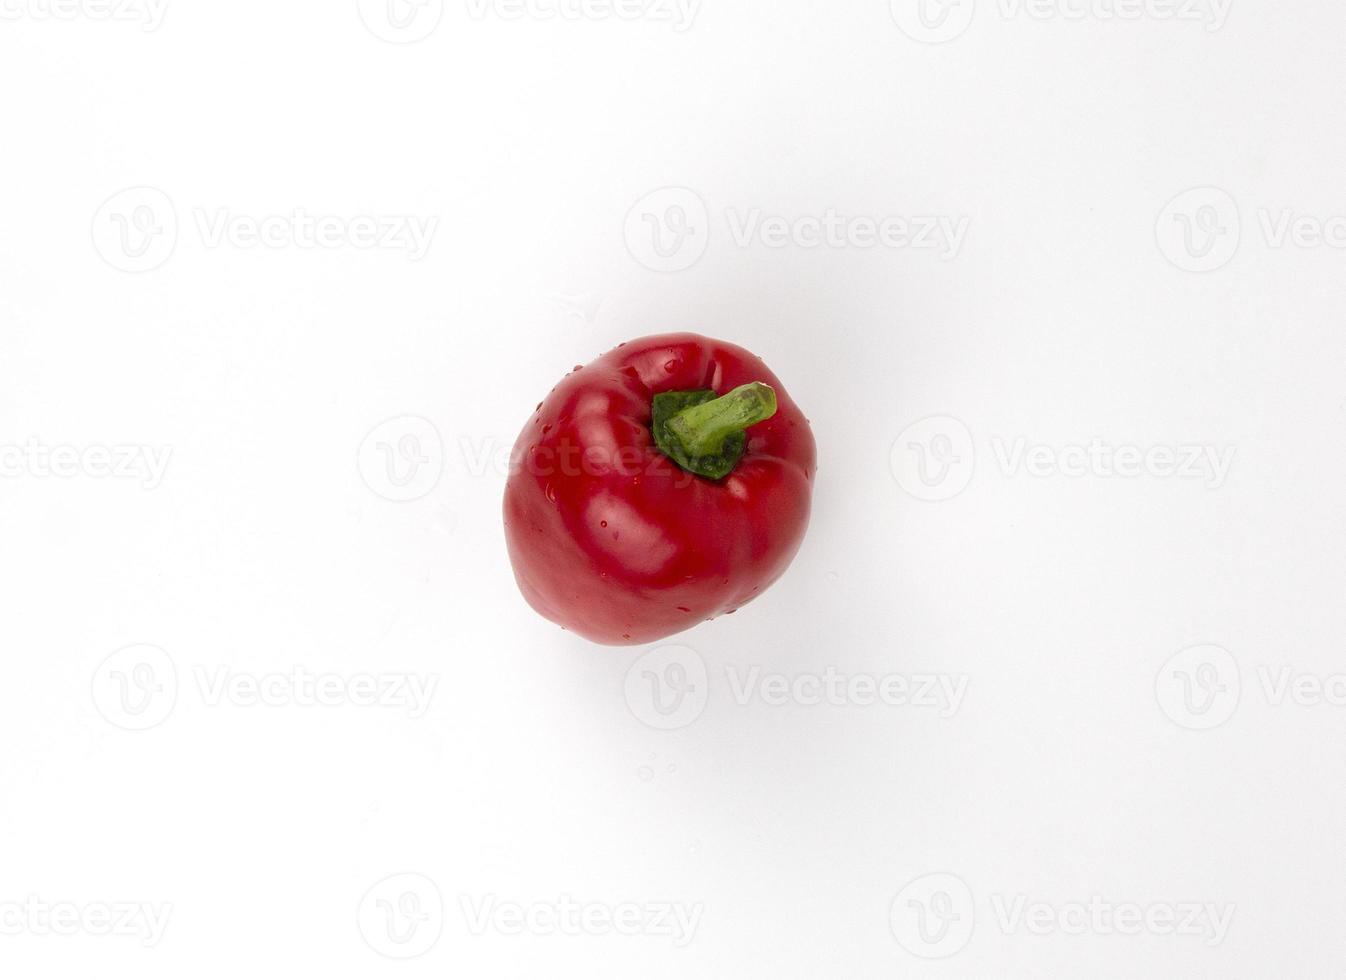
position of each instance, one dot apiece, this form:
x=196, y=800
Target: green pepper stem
x=702, y=429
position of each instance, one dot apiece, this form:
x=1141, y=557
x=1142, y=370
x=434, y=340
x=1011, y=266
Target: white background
x=1093, y=310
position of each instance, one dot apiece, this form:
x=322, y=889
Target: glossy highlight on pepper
x=665, y=484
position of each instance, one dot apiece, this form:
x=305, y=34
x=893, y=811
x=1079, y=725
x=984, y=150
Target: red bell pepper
x=665, y=484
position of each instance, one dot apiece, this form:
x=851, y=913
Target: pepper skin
x=612, y=539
